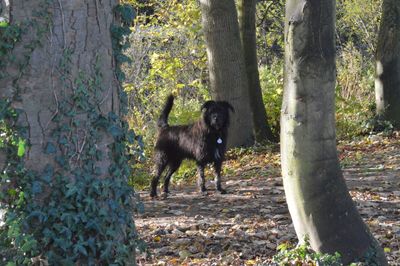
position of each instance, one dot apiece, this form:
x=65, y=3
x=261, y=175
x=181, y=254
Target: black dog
x=204, y=141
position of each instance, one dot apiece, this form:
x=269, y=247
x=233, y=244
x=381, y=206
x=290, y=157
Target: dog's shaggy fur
x=203, y=141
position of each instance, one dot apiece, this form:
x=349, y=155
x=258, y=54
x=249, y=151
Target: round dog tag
x=219, y=140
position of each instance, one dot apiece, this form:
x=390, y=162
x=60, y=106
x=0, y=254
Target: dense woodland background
x=168, y=43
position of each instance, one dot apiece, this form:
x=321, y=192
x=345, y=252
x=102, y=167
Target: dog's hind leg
x=171, y=170
x=201, y=180
x=160, y=166
x=218, y=167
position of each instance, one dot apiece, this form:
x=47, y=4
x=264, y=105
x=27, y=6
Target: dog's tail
x=163, y=119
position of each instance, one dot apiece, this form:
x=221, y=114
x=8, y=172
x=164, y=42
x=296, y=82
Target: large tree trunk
x=61, y=79
x=387, y=81
x=316, y=193
x=226, y=66
x=247, y=23
x=75, y=52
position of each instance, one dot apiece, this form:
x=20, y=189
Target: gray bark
x=226, y=66
x=316, y=193
x=387, y=81
x=247, y=23
x=76, y=48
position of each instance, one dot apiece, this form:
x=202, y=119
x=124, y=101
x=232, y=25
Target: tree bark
x=77, y=47
x=387, y=81
x=247, y=23
x=226, y=66
x=318, y=199
x=61, y=79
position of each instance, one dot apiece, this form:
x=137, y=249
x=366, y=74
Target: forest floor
x=246, y=226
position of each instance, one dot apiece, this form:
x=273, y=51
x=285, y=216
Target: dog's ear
x=227, y=106
x=207, y=105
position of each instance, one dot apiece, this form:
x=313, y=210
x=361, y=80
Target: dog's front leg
x=201, y=181
x=218, y=167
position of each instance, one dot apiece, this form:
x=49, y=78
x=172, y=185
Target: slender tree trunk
x=226, y=66
x=387, y=81
x=316, y=193
x=247, y=23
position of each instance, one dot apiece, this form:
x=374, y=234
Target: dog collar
x=219, y=140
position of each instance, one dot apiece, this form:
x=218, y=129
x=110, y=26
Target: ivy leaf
x=127, y=12
x=62, y=161
x=3, y=24
x=92, y=244
x=112, y=116
x=99, y=155
x=21, y=147
x=29, y=245
x=106, y=252
x=63, y=140
x=47, y=173
x=36, y=187
x=50, y=148
x=115, y=131
x=131, y=136
x=71, y=191
x=101, y=122
x=38, y=214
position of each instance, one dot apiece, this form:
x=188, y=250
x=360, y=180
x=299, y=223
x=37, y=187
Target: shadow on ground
x=245, y=226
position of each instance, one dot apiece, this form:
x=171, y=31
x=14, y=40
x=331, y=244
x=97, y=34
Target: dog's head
x=216, y=114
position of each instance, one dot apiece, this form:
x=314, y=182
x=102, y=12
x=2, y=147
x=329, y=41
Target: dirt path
x=245, y=226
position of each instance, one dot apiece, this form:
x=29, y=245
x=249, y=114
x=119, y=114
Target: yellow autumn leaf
x=157, y=239
x=250, y=262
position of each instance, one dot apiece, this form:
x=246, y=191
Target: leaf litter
x=245, y=226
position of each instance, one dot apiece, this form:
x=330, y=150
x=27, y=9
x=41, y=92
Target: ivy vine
x=86, y=220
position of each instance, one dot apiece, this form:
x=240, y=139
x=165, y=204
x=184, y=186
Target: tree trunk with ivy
x=61, y=86
x=247, y=23
x=387, y=81
x=318, y=199
x=227, y=67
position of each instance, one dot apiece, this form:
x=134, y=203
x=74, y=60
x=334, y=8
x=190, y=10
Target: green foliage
x=67, y=215
x=358, y=23
x=357, y=30
x=169, y=52
x=9, y=36
x=354, y=93
x=269, y=31
x=271, y=80
x=302, y=254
